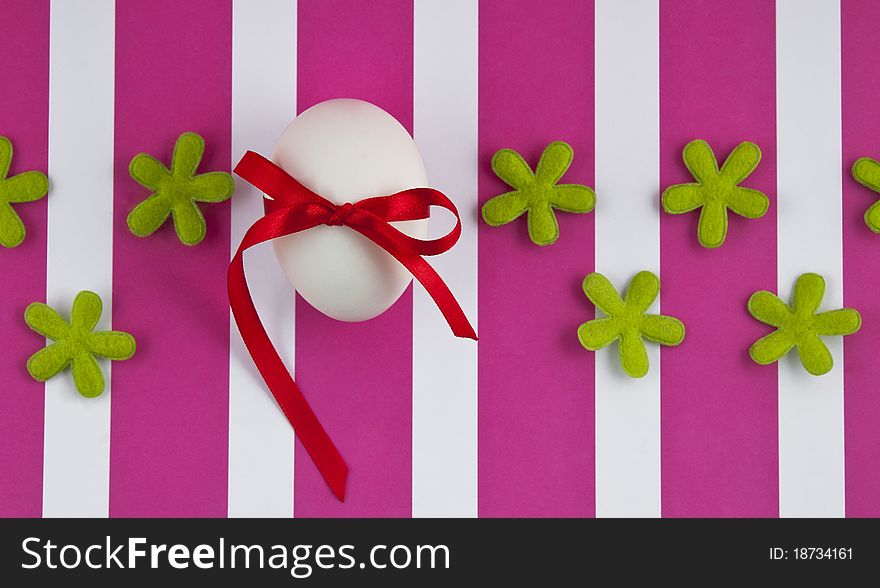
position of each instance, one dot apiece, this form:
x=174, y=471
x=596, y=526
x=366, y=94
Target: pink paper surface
x=24, y=120
x=861, y=257
x=536, y=383
x=169, y=421
x=357, y=376
x=719, y=450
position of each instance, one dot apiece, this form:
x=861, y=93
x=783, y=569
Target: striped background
x=524, y=423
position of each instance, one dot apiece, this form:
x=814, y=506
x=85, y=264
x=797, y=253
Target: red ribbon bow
x=295, y=208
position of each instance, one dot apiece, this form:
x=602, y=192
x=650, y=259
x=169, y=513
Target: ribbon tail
x=426, y=275
x=288, y=395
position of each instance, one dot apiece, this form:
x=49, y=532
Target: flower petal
x=642, y=291
x=116, y=345
x=148, y=171
x=598, y=333
x=741, y=162
x=46, y=321
x=189, y=223
x=554, y=162
x=602, y=294
x=573, y=198
x=843, y=321
x=770, y=348
x=769, y=308
x=748, y=203
x=512, y=169
x=872, y=217
x=808, y=293
x=149, y=215
x=633, y=355
x=48, y=361
x=5, y=156
x=815, y=355
x=211, y=187
x=87, y=375
x=86, y=310
x=502, y=209
x=712, y=228
x=12, y=231
x=543, y=228
x=188, y=151
x=700, y=160
x=682, y=198
x=866, y=171
x=25, y=187
x=666, y=330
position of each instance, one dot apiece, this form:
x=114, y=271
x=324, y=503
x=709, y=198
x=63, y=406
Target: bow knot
x=340, y=215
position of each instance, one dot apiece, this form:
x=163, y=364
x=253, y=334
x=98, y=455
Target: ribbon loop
x=290, y=208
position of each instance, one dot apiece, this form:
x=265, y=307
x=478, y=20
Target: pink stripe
x=719, y=410
x=536, y=434
x=168, y=450
x=861, y=262
x=358, y=377
x=24, y=119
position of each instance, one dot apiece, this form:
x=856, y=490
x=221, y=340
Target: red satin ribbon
x=295, y=208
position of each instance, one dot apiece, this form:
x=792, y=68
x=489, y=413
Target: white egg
x=347, y=150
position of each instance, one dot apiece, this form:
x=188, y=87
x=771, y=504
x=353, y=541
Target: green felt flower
x=800, y=325
x=627, y=320
x=866, y=171
x=25, y=187
x=176, y=191
x=716, y=190
x=75, y=343
x=537, y=193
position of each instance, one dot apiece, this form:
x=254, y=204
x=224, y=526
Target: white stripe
x=811, y=481
x=444, y=367
x=261, y=440
x=76, y=465
x=627, y=241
